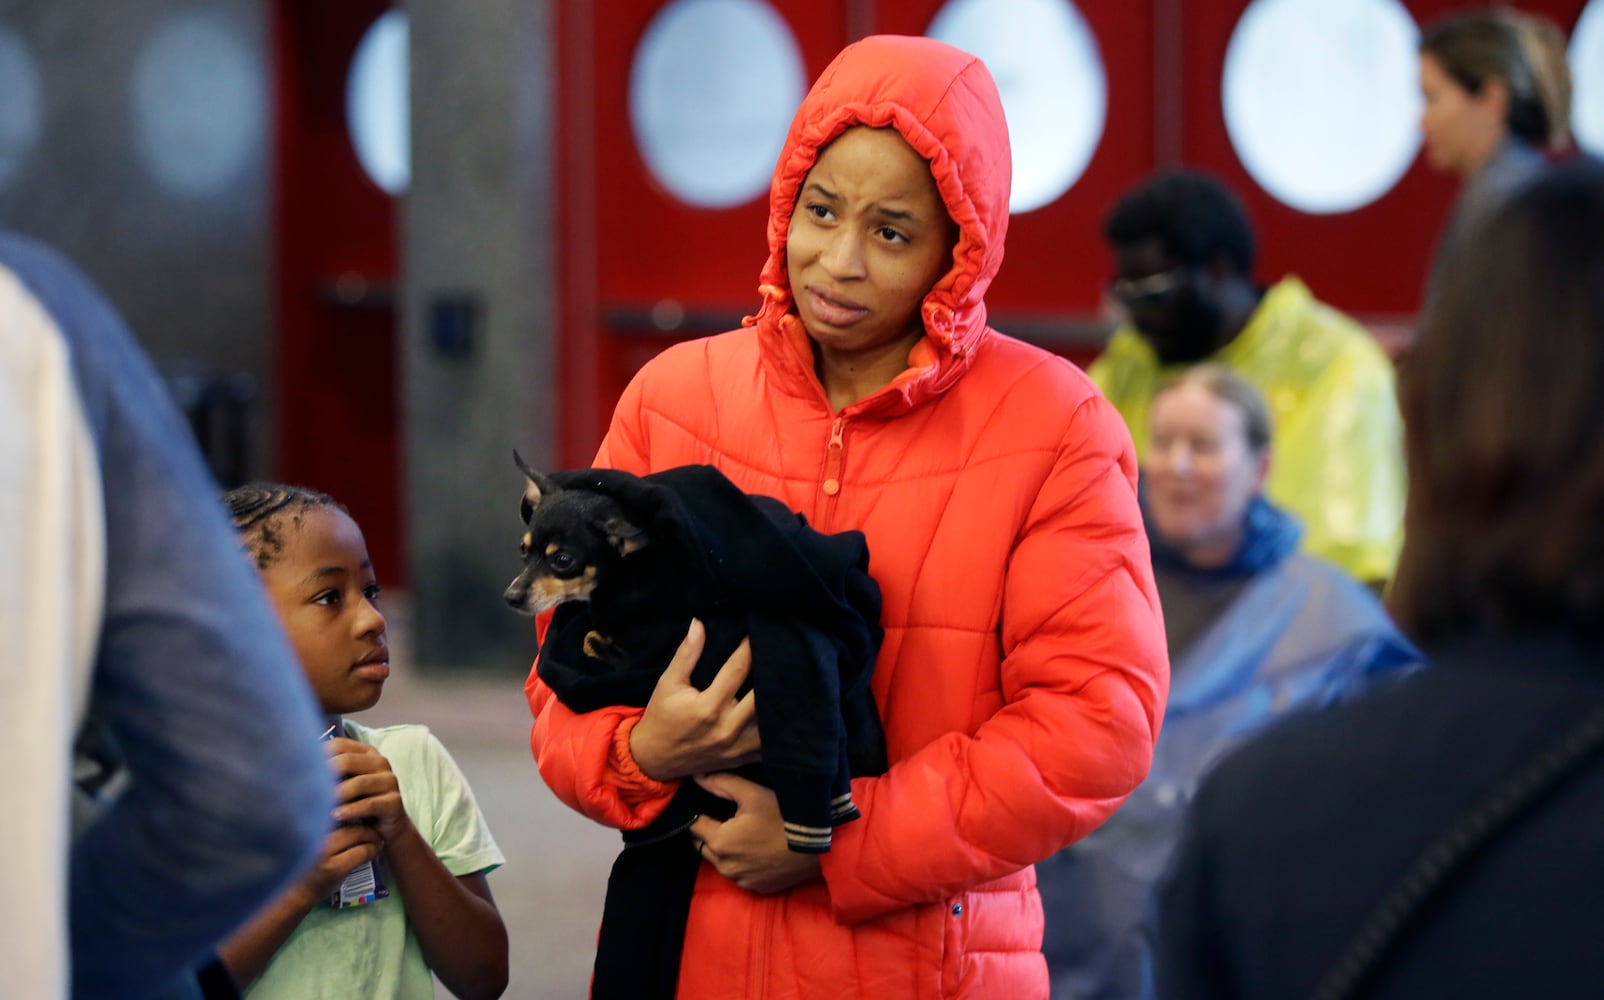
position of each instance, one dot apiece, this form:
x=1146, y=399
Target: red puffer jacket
x=1023, y=674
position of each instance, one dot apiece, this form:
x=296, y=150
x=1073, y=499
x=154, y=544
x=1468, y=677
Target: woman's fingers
x=732, y=674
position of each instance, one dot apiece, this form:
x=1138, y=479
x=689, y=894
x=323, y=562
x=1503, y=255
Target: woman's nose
x=843, y=258
x=1178, y=459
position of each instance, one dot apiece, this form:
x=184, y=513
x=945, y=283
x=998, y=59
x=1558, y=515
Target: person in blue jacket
x=162, y=773
x=1255, y=630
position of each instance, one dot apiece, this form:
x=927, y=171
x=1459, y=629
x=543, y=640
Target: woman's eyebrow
x=900, y=215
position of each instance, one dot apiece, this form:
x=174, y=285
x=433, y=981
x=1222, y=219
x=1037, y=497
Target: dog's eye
x=562, y=562
x=523, y=550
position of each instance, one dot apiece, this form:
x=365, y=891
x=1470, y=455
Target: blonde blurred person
x=1256, y=630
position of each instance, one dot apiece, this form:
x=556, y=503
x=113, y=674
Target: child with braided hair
x=400, y=888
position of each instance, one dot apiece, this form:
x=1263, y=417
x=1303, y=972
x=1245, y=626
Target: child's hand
x=368, y=790
x=345, y=848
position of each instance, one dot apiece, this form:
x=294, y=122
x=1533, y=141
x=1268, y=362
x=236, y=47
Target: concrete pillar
x=478, y=318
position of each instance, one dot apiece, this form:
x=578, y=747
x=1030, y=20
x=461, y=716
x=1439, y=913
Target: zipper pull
x=832, y=460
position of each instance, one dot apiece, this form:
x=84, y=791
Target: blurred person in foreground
x=1439, y=838
x=1183, y=255
x=134, y=625
x=1256, y=630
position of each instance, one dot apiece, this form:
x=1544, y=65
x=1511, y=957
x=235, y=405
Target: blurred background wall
x=378, y=245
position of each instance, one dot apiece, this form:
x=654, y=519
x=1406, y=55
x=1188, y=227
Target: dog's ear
x=623, y=535
x=537, y=488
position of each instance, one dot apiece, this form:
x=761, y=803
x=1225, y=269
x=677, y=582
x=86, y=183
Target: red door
x=335, y=258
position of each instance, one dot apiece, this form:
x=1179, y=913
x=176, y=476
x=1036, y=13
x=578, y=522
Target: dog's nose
x=515, y=596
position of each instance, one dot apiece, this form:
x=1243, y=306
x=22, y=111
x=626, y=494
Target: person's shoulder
x=59, y=285
x=413, y=737
x=684, y=372
x=1347, y=746
x=1336, y=589
x=1043, y=393
x=27, y=256
x=1027, y=367
x=1325, y=330
x=699, y=353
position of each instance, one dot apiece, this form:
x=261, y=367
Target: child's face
x=323, y=586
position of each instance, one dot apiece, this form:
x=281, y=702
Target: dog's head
x=572, y=539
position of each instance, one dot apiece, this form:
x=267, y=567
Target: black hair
x=256, y=508
x=1193, y=215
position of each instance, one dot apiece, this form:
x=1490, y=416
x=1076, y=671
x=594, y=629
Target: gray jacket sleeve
x=228, y=793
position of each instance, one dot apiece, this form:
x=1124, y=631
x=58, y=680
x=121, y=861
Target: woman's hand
x=686, y=731
x=368, y=791
x=750, y=848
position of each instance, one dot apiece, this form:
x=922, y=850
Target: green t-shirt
x=370, y=950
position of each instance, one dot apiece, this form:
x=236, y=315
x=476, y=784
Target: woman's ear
x=1261, y=469
x=1493, y=100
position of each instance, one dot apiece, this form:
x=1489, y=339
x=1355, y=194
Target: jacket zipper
x=834, y=453
x=758, y=981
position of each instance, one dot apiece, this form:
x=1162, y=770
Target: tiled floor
x=550, y=891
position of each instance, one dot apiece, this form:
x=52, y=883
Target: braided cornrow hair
x=256, y=508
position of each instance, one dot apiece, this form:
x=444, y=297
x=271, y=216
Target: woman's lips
x=836, y=312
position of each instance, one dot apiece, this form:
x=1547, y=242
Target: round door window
x=1322, y=100
x=1587, y=78
x=712, y=89
x=198, y=103
x=1049, y=73
x=376, y=103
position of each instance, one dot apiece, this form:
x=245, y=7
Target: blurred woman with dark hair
x=1439, y=838
x=1497, y=92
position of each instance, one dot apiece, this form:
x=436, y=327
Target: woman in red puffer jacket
x=1023, y=674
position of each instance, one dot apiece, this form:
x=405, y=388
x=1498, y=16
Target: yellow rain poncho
x=1337, y=456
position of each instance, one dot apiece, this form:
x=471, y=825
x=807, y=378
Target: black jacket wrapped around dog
x=747, y=566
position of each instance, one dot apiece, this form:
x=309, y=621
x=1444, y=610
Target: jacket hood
x=944, y=103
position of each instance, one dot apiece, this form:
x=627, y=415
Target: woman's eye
x=891, y=235
x=819, y=211
x=327, y=597
x=372, y=592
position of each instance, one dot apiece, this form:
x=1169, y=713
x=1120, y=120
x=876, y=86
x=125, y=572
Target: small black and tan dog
x=577, y=547
x=623, y=562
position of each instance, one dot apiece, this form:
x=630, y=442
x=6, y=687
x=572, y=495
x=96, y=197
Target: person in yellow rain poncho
x=1183, y=255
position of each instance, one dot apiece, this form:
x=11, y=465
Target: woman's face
x=1201, y=474
x=868, y=239
x=1461, y=129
